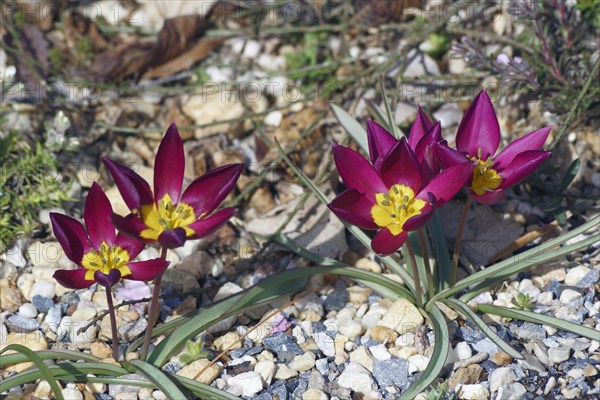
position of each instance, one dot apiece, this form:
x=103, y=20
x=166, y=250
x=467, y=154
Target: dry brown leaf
x=376, y=12
x=177, y=35
x=186, y=60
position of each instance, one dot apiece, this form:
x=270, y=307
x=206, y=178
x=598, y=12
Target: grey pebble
x=20, y=324
x=283, y=345
x=245, y=351
x=43, y=304
x=390, y=372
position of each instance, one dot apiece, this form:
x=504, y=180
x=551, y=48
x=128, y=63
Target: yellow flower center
x=393, y=209
x=167, y=216
x=105, y=259
x=485, y=178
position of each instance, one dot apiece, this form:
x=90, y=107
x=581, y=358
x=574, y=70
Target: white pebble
x=71, y=394
x=463, y=350
x=274, y=118
x=574, y=275
x=28, y=310
x=569, y=295
x=43, y=288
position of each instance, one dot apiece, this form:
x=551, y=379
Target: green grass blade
x=388, y=109
x=524, y=260
x=354, y=128
x=377, y=114
x=17, y=358
x=530, y=316
x=416, y=246
x=359, y=234
x=160, y=379
x=204, y=391
x=266, y=290
x=482, y=325
x=438, y=357
x=443, y=265
x=39, y=363
x=66, y=370
x=387, y=286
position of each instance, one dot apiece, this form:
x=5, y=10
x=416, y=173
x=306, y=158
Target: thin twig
x=144, y=300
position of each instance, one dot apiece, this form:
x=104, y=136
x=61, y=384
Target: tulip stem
x=424, y=252
x=113, y=324
x=153, y=312
x=457, y=241
x=415, y=274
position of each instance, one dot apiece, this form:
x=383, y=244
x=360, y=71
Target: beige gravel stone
x=207, y=376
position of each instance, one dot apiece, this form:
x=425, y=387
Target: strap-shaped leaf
x=354, y=128
x=390, y=287
x=438, y=357
x=483, y=327
x=17, y=358
x=159, y=378
x=39, y=363
x=524, y=260
x=64, y=370
x=377, y=114
x=264, y=291
x=530, y=316
x=443, y=265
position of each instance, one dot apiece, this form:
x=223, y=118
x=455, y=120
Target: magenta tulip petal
x=357, y=172
x=419, y=220
x=146, y=270
x=489, y=198
x=72, y=278
x=208, y=191
x=380, y=140
x=97, y=215
x=479, y=128
x=129, y=225
x=433, y=136
x=400, y=166
x=132, y=245
x=71, y=235
x=384, y=243
x=172, y=239
x=208, y=226
x=107, y=280
x=169, y=165
x=447, y=155
x=447, y=183
x=532, y=141
x=133, y=188
x=353, y=207
x=419, y=128
x=521, y=167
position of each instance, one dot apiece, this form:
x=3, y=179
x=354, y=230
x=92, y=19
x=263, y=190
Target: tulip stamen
x=393, y=209
x=105, y=259
x=166, y=216
x=485, y=178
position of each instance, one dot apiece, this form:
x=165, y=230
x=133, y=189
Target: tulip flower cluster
x=166, y=217
x=406, y=180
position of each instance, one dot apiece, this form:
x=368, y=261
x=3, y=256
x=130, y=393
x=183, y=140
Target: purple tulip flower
x=167, y=216
x=422, y=138
x=392, y=196
x=103, y=256
x=477, y=140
